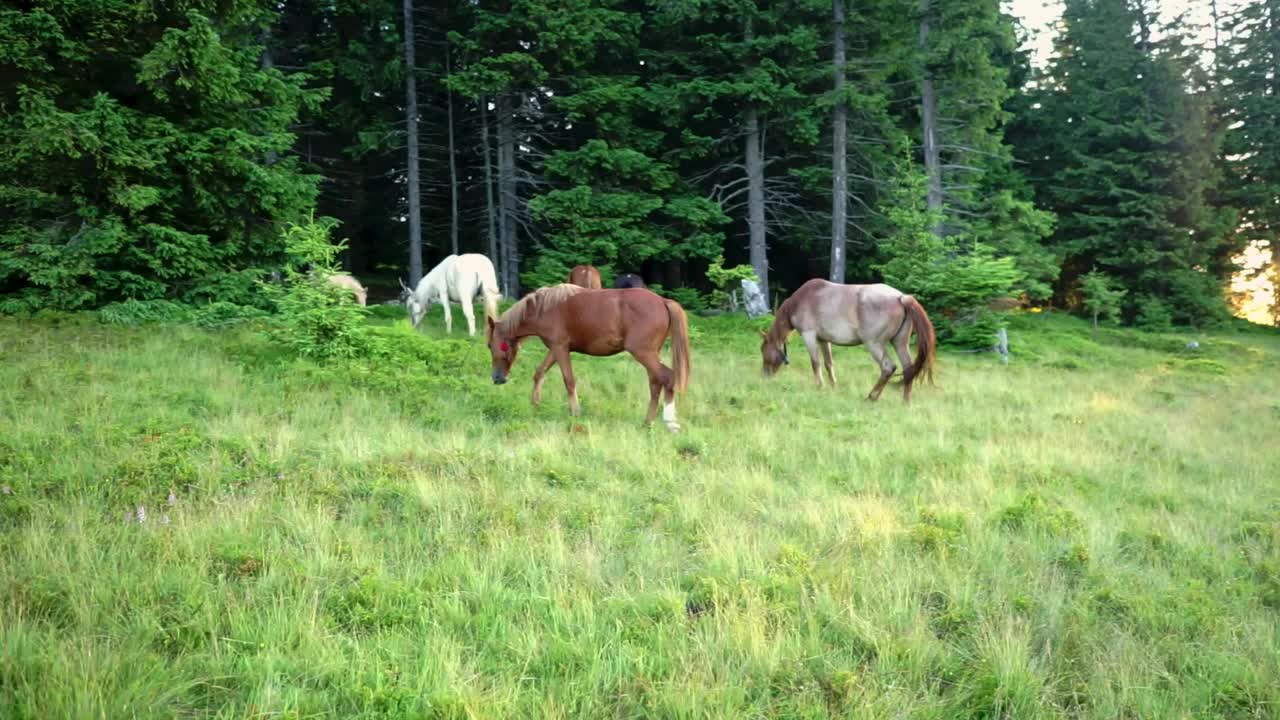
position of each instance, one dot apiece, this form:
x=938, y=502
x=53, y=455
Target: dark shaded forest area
x=154, y=151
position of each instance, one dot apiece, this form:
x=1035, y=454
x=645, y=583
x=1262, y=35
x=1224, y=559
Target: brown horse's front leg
x=560, y=356
x=540, y=375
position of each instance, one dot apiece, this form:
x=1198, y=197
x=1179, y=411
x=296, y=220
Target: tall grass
x=1092, y=531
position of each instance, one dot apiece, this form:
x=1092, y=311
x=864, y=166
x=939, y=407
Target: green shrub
x=1101, y=297
x=315, y=319
x=726, y=280
x=141, y=312
x=954, y=277
x=1154, y=314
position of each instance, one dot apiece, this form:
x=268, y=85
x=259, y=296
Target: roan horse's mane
x=781, y=326
x=534, y=304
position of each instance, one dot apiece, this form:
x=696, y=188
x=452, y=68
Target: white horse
x=458, y=278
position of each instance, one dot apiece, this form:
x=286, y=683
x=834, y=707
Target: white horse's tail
x=489, y=288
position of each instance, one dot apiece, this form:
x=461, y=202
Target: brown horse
x=875, y=315
x=568, y=319
x=585, y=276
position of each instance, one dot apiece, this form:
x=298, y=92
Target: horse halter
x=786, y=360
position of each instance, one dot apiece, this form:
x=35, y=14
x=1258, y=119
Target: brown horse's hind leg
x=540, y=375
x=826, y=362
x=661, y=378
x=887, y=368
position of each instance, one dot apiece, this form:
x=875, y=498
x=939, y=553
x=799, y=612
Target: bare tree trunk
x=411, y=116
x=488, y=183
x=1217, y=45
x=839, y=152
x=929, y=125
x=755, y=190
x=453, y=163
x=755, y=199
x=507, y=197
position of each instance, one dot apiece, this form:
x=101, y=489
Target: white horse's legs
x=469, y=312
x=448, y=312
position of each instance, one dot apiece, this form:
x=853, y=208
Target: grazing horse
x=875, y=315
x=629, y=280
x=352, y=284
x=585, y=276
x=568, y=319
x=458, y=278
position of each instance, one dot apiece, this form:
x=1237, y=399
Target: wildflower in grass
x=141, y=514
x=172, y=498
x=4, y=490
x=164, y=519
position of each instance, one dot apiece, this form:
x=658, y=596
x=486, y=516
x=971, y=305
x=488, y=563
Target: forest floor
x=1092, y=531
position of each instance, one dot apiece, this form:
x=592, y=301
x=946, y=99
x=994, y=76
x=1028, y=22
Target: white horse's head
x=412, y=305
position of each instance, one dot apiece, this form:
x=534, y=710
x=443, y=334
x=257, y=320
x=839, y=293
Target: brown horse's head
x=773, y=353
x=503, y=349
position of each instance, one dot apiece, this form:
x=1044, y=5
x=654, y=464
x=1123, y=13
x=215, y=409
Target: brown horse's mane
x=534, y=304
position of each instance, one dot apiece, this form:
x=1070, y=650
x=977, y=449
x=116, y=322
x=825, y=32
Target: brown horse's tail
x=926, y=342
x=679, y=325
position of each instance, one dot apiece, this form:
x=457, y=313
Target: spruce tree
x=144, y=152
x=1119, y=147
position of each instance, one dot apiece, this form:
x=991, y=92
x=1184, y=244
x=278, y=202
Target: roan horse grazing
x=350, y=283
x=629, y=280
x=585, y=276
x=874, y=315
x=568, y=319
x=457, y=278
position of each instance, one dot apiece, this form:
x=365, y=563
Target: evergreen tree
x=143, y=152
x=1249, y=85
x=1121, y=153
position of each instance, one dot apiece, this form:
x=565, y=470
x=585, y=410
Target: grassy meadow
x=1092, y=531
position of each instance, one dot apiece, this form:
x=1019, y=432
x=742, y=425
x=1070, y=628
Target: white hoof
x=669, y=417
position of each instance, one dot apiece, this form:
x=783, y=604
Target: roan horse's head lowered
x=774, y=353
x=878, y=316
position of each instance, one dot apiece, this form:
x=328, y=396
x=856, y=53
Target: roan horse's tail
x=679, y=325
x=926, y=343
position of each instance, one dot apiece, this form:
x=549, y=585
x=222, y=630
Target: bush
x=689, y=298
x=316, y=319
x=1154, y=314
x=141, y=312
x=1101, y=297
x=725, y=280
x=954, y=277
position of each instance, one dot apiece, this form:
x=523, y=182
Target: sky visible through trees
x=157, y=157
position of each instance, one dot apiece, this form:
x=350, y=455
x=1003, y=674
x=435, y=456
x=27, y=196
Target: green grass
x=1092, y=531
